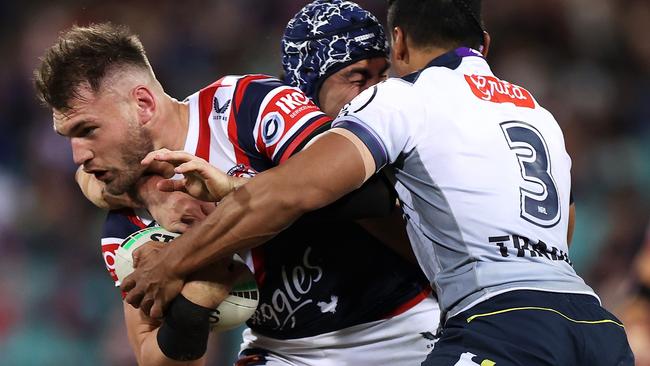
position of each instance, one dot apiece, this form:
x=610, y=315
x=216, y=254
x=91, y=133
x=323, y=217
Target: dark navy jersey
x=321, y=276
x=317, y=276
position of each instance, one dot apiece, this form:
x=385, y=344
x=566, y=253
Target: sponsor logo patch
x=223, y=108
x=220, y=110
x=272, y=128
x=493, y=90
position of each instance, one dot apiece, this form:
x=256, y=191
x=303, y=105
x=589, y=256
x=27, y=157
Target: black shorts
x=533, y=328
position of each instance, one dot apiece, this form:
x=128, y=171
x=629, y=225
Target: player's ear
x=400, y=50
x=486, y=43
x=145, y=102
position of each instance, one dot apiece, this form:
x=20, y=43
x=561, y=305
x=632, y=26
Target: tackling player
x=484, y=180
x=379, y=309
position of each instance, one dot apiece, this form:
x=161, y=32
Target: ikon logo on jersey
x=286, y=117
x=491, y=89
x=272, y=128
x=293, y=103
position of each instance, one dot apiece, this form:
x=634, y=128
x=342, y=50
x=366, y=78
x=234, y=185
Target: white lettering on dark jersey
x=289, y=298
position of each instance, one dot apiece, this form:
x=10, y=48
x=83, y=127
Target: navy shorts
x=533, y=328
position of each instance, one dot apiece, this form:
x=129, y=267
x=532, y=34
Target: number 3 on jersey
x=538, y=196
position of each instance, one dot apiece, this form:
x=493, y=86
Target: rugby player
x=365, y=312
x=484, y=179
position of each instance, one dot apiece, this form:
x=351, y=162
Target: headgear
x=326, y=36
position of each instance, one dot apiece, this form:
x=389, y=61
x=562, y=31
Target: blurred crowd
x=587, y=61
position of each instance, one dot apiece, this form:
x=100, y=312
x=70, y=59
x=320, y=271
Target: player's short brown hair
x=84, y=55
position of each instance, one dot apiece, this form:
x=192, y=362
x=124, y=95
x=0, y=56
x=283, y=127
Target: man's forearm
x=269, y=203
x=239, y=222
x=375, y=199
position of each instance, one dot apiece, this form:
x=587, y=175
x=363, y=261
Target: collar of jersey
x=450, y=60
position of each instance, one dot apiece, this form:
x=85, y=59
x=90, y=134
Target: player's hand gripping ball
x=231, y=313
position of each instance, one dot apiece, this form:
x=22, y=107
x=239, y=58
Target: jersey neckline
x=450, y=60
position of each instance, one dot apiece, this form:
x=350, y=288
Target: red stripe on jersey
x=258, y=265
x=292, y=106
x=302, y=137
x=242, y=84
x=409, y=304
x=135, y=220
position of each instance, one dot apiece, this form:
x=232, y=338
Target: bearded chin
x=133, y=151
x=125, y=182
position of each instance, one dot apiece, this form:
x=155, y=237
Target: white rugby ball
x=235, y=310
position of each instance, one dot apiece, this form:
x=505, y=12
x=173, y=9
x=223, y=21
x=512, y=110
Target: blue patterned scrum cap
x=326, y=36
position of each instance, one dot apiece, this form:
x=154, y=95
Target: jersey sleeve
x=278, y=119
x=380, y=122
x=119, y=224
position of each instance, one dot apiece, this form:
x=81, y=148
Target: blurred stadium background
x=588, y=61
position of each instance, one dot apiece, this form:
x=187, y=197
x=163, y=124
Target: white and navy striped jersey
x=312, y=279
x=482, y=173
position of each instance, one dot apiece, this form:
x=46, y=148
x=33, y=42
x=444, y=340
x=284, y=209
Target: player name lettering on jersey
x=523, y=247
x=491, y=89
x=290, y=297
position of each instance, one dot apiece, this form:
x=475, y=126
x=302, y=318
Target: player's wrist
x=175, y=262
x=183, y=335
x=218, y=192
x=238, y=182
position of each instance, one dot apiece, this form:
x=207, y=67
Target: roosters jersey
x=482, y=173
x=312, y=278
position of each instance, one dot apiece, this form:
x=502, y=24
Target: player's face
x=341, y=87
x=106, y=138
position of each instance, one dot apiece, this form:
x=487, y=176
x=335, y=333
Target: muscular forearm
x=375, y=199
x=239, y=222
x=269, y=203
